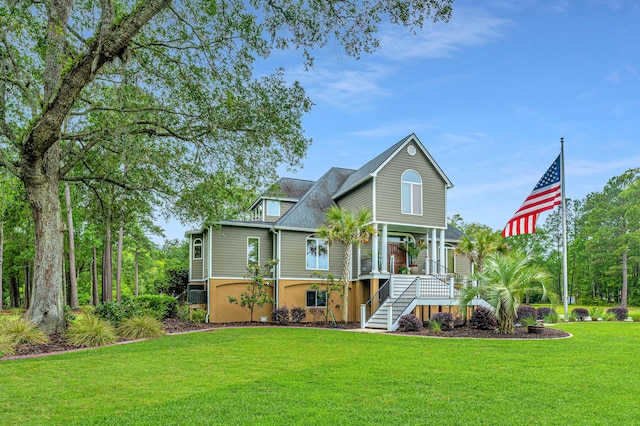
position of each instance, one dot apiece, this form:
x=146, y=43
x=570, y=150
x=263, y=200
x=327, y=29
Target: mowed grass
x=306, y=376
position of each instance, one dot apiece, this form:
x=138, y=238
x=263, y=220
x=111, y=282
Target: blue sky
x=489, y=94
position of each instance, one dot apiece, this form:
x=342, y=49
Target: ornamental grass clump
x=141, y=327
x=21, y=330
x=579, y=314
x=7, y=347
x=596, y=313
x=445, y=319
x=483, y=319
x=620, y=313
x=91, y=331
x=410, y=322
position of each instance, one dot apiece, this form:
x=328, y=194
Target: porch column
x=443, y=259
x=374, y=251
x=383, y=249
x=426, y=257
x=434, y=256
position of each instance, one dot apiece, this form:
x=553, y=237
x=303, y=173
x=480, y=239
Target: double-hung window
x=411, y=193
x=317, y=254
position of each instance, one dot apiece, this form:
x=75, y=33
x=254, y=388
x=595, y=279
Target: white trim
x=210, y=262
x=411, y=193
x=374, y=198
x=190, y=257
x=193, y=243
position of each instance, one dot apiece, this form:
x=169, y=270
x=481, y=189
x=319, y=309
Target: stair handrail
x=385, y=287
x=460, y=280
x=414, y=285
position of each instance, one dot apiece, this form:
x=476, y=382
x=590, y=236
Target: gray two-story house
x=406, y=191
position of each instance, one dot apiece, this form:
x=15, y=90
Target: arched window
x=411, y=193
x=197, y=248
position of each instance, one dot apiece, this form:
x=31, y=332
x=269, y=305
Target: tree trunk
x=119, y=262
x=137, y=285
x=107, y=266
x=345, y=284
x=14, y=292
x=41, y=183
x=625, y=282
x=73, y=279
x=94, y=278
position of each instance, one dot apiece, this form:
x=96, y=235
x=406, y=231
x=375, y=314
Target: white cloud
x=466, y=28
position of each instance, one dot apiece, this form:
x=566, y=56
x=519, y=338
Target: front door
x=399, y=256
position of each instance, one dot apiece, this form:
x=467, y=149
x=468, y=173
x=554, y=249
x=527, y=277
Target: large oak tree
x=171, y=81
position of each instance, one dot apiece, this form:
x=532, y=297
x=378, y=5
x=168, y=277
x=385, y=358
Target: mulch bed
x=58, y=343
x=468, y=332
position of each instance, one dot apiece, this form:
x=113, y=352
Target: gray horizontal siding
x=388, y=191
x=294, y=256
x=229, y=251
x=361, y=197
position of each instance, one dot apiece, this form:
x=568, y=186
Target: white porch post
x=374, y=251
x=434, y=256
x=385, y=258
x=426, y=258
x=443, y=259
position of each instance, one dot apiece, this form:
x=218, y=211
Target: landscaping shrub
x=579, y=314
x=620, y=312
x=483, y=319
x=298, y=314
x=20, y=330
x=609, y=316
x=197, y=316
x=116, y=312
x=445, y=319
x=543, y=312
x=435, y=326
x=409, y=322
x=91, y=330
x=526, y=311
x=551, y=318
x=142, y=327
x=280, y=315
x=160, y=306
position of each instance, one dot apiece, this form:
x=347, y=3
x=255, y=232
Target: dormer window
x=273, y=208
x=257, y=212
x=411, y=193
x=197, y=248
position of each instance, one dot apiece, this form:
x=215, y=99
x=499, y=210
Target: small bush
x=280, y=315
x=458, y=321
x=20, y=330
x=160, y=306
x=298, y=314
x=445, y=319
x=409, y=322
x=115, y=312
x=198, y=316
x=579, y=314
x=143, y=327
x=91, y=331
x=620, y=312
x=543, y=312
x=526, y=311
x=317, y=314
x=483, y=319
x=609, y=316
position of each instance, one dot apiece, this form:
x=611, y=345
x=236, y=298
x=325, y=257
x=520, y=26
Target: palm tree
x=503, y=283
x=477, y=247
x=349, y=229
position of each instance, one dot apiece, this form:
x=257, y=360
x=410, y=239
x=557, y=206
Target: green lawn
x=304, y=376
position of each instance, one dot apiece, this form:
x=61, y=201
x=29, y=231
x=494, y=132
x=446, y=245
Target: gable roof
x=290, y=188
x=309, y=211
x=372, y=168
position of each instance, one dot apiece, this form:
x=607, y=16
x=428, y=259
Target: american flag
x=545, y=196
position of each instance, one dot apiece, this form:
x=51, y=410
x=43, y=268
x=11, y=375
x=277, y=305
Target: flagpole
x=564, y=234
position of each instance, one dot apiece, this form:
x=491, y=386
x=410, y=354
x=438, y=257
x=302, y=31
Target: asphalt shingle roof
x=309, y=212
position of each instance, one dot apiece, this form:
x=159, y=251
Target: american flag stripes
x=545, y=196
